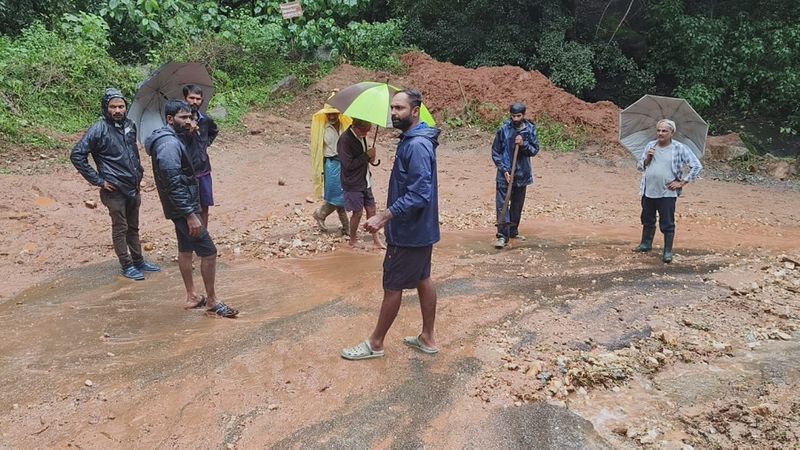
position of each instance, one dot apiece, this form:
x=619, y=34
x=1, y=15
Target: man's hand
x=378, y=221
x=675, y=185
x=195, y=226
x=518, y=139
x=109, y=187
x=195, y=128
x=650, y=153
x=508, y=177
x=371, y=153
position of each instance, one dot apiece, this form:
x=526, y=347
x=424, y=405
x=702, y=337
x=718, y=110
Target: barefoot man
x=179, y=189
x=355, y=158
x=412, y=227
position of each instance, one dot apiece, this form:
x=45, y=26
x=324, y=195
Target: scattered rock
x=88, y=383
x=281, y=181
x=649, y=437
x=148, y=246
x=272, y=407
x=91, y=204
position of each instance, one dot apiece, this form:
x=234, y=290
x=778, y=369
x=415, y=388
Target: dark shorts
x=358, y=200
x=206, y=193
x=203, y=245
x=405, y=267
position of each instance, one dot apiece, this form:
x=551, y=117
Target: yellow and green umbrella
x=370, y=101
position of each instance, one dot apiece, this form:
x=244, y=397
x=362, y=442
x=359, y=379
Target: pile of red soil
x=450, y=90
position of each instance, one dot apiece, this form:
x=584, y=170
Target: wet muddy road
x=95, y=361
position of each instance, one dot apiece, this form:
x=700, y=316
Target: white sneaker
x=500, y=243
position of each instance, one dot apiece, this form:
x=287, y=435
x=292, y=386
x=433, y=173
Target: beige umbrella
x=637, y=123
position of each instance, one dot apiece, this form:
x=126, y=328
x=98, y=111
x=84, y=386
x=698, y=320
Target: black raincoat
x=174, y=173
x=198, y=143
x=114, y=150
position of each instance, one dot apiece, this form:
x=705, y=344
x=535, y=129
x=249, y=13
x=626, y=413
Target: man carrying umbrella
x=412, y=227
x=355, y=158
x=327, y=139
x=663, y=163
x=204, y=131
x=178, y=189
x=516, y=137
x=112, y=143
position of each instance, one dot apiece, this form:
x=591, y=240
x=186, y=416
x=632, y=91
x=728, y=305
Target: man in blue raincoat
x=412, y=228
x=517, y=131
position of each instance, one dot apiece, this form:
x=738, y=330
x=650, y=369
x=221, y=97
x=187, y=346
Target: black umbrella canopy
x=166, y=83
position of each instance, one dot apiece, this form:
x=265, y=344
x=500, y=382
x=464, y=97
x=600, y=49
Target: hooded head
x=517, y=111
x=115, y=111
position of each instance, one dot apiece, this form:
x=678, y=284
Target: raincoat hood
x=111, y=94
x=149, y=143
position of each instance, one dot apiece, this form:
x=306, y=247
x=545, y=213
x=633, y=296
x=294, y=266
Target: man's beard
x=402, y=124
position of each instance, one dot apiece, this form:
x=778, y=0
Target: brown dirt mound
x=490, y=89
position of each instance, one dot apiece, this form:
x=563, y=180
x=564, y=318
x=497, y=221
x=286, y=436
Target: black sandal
x=223, y=310
x=203, y=301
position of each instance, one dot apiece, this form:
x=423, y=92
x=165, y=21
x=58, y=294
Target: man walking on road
x=412, y=227
x=517, y=131
x=112, y=143
x=179, y=192
x=204, y=131
x=355, y=158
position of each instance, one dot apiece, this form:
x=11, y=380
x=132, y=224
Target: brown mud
x=564, y=340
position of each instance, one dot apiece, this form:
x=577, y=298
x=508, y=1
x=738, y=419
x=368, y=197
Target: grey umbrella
x=637, y=123
x=166, y=83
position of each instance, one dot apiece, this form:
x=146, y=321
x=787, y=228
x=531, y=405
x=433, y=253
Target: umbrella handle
x=376, y=164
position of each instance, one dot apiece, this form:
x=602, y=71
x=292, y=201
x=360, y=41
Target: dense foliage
x=732, y=59
x=736, y=56
x=53, y=70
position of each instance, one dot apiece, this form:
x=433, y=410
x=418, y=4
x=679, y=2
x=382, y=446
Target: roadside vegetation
x=737, y=62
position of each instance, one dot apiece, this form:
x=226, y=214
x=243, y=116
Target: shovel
x=501, y=221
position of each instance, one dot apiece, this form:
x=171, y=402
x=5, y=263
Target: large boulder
x=287, y=85
x=781, y=169
x=725, y=148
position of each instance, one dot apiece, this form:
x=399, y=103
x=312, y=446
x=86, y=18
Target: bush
x=375, y=46
x=55, y=79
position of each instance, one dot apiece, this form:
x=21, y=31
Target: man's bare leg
x=427, y=303
x=375, y=239
x=389, y=309
x=208, y=269
x=204, y=217
x=355, y=218
x=185, y=266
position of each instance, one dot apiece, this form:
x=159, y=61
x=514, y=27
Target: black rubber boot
x=667, y=256
x=647, y=240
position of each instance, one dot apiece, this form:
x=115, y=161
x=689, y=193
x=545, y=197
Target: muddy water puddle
x=273, y=376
